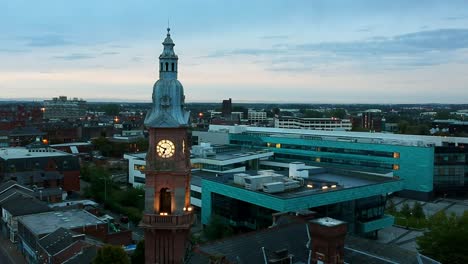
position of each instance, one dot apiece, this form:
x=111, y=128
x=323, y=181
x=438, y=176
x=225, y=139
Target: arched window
x=167, y=66
x=173, y=67
x=162, y=68
x=165, y=201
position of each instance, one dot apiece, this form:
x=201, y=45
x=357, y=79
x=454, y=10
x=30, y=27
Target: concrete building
x=62, y=108
x=328, y=124
x=248, y=200
x=408, y=157
x=39, y=166
x=256, y=116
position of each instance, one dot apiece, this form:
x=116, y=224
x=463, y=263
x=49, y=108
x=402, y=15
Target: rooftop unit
x=255, y=183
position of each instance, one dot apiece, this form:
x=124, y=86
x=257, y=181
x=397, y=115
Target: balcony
x=157, y=221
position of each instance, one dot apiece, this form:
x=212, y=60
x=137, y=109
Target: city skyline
x=320, y=52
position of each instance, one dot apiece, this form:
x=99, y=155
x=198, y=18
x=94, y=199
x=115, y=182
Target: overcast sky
x=397, y=51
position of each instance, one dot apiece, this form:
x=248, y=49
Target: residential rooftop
x=48, y=222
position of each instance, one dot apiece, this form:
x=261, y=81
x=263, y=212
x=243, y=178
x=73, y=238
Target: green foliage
x=217, y=228
x=110, y=149
x=142, y=144
x=391, y=208
x=129, y=202
x=138, y=256
x=445, y=241
x=338, y=113
x=417, y=211
x=111, y=109
x=111, y=255
x=405, y=210
x=312, y=114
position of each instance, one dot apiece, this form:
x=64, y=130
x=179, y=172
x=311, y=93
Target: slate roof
x=14, y=194
x=59, y=240
x=86, y=256
x=247, y=248
x=8, y=184
x=25, y=206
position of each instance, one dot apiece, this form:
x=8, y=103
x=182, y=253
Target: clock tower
x=168, y=214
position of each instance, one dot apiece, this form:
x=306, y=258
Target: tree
x=445, y=241
x=217, y=228
x=418, y=211
x=405, y=210
x=138, y=256
x=111, y=255
x=111, y=109
x=337, y=113
x=312, y=114
x=391, y=207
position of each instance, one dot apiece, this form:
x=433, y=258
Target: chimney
x=328, y=236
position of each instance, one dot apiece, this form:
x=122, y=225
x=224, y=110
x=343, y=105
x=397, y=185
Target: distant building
x=22, y=136
x=371, y=120
x=226, y=108
x=39, y=166
x=256, y=116
x=61, y=108
x=313, y=123
x=409, y=157
x=451, y=126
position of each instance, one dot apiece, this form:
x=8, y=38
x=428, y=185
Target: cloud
x=461, y=17
x=275, y=37
x=110, y=53
x=14, y=50
x=418, y=42
x=364, y=29
x=418, y=49
x=75, y=56
x=47, y=41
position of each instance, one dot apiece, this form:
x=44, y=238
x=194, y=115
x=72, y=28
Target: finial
x=168, y=28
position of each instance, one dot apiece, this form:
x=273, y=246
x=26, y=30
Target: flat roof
x=221, y=158
x=72, y=144
x=45, y=223
x=24, y=153
x=342, y=179
x=382, y=138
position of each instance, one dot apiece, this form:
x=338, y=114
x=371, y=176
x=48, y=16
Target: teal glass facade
x=413, y=164
x=368, y=217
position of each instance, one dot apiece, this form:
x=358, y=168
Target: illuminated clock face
x=165, y=148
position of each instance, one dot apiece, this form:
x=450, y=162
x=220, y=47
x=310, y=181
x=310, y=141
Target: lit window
x=278, y=145
x=396, y=167
x=396, y=155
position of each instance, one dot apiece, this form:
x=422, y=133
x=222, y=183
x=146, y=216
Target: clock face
x=165, y=148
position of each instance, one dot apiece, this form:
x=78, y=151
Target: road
x=4, y=257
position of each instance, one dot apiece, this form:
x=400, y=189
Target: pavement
x=9, y=254
x=406, y=238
